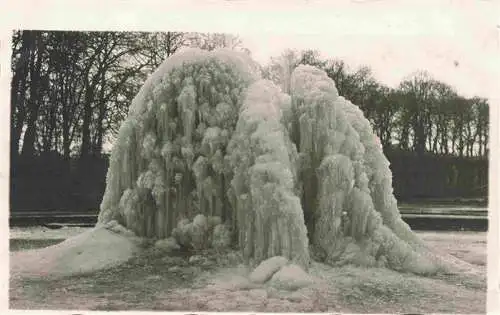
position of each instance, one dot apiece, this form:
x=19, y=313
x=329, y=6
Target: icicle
x=263, y=168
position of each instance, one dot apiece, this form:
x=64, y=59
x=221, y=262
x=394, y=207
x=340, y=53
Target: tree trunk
x=85, y=149
x=99, y=128
x=18, y=93
x=34, y=99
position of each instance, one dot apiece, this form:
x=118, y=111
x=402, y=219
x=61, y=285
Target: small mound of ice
x=267, y=268
x=96, y=249
x=167, y=245
x=291, y=277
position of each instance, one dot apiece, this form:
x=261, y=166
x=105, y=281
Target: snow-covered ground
x=348, y=289
x=468, y=246
x=40, y=232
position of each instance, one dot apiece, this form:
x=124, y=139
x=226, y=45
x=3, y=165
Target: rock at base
x=168, y=245
x=267, y=268
x=291, y=277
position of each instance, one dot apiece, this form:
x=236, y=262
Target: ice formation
x=168, y=161
x=347, y=183
x=269, y=215
x=292, y=175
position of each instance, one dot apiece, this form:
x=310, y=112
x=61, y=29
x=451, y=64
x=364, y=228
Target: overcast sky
x=455, y=40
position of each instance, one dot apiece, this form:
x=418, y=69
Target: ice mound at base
x=291, y=277
x=266, y=269
x=95, y=249
x=280, y=273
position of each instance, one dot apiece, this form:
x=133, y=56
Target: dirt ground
x=155, y=281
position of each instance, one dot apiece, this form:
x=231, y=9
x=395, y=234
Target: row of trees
x=71, y=90
x=420, y=115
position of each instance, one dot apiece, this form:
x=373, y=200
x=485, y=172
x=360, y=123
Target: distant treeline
x=70, y=92
x=437, y=177
x=49, y=182
x=422, y=114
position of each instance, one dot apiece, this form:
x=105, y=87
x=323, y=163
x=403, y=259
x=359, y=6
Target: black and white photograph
x=325, y=159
